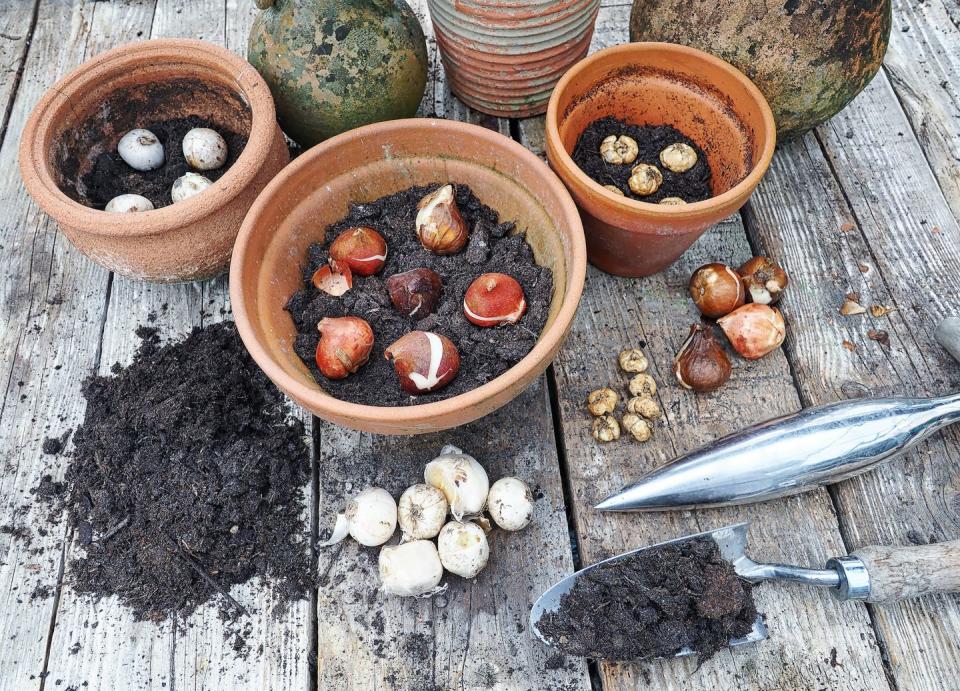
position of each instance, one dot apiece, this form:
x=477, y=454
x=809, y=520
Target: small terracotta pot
x=365, y=164
x=503, y=57
x=707, y=99
x=86, y=113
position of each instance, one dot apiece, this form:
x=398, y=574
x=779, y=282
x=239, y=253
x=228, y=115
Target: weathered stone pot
x=808, y=57
x=87, y=112
x=334, y=65
x=503, y=57
x=365, y=164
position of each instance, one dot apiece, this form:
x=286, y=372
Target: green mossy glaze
x=333, y=65
x=808, y=57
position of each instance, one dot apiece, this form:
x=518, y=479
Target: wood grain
x=886, y=232
x=898, y=573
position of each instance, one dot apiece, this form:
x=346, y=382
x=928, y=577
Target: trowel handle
x=898, y=573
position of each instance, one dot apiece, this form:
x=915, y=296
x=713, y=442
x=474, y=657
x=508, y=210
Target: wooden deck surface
x=868, y=203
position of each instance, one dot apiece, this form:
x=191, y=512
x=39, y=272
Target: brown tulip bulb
x=440, y=227
x=764, y=280
x=702, y=364
x=424, y=361
x=362, y=249
x=754, y=330
x=494, y=299
x=415, y=293
x=716, y=289
x=345, y=345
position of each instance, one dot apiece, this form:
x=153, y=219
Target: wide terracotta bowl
x=86, y=113
x=707, y=99
x=365, y=164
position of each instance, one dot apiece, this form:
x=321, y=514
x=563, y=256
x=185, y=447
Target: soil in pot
x=186, y=479
x=485, y=353
x=654, y=604
x=692, y=185
x=111, y=176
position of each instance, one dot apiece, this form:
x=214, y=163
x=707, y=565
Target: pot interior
x=705, y=103
x=324, y=182
x=92, y=120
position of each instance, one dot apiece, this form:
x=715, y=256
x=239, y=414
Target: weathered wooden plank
x=808, y=628
x=16, y=29
x=475, y=635
x=197, y=654
x=51, y=308
x=885, y=232
x=923, y=64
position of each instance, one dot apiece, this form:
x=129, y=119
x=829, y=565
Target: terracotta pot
x=707, y=99
x=363, y=165
x=86, y=113
x=503, y=57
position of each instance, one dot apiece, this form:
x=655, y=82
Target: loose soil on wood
x=186, y=479
x=654, y=604
x=485, y=353
x=111, y=176
x=691, y=186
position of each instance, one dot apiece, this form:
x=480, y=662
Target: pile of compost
x=186, y=479
x=485, y=353
x=654, y=604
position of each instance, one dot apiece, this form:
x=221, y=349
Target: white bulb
x=128, y=203
x=421, y=511
x=372, y=516
x=187, y=186
x=462, y=480
x=141, y=150
x=463, y=548
x=411, y=569
x=510, y=503
x=204, y=148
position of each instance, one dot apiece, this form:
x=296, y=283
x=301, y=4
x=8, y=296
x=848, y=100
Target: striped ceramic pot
x=503, y=57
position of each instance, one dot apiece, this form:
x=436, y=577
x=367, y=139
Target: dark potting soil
x=691, y=186
x=186, y=479
x=654, y=604
x=485, y=353
x=111, y=176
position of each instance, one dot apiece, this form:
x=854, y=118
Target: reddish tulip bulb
x=424, y=361
x=345, y=345
x=362, y=249
x=494, y=299
x=415, y=293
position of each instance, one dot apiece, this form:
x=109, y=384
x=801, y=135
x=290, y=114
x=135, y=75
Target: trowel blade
x=731, y=541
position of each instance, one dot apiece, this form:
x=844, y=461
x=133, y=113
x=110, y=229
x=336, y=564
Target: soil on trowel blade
x=654, y=604
x=186, y=479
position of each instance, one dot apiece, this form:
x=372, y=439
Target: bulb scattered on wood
x=638, y=428
x=421, y=512
x=141, y=150
x=602, y=401
x=411, y=569
x=463, y=548
x=204, y=148
x=643, y=385
x=372, y=516
x=128, y=204
x=606, y=428
x=462, y=480
x=188, y=185
x=510, y=503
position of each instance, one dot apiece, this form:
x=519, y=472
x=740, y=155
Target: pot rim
x=36, y=170
x=628, y=52
x=420, y=414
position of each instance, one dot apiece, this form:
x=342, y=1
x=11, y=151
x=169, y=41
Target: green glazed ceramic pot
x=333, y=65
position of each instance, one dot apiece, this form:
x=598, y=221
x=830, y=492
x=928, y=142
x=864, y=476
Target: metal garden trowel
x=873, y=574
x=797, y=452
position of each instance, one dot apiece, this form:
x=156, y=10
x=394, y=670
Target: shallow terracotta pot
x=503, y=57
x=86, y=113
x=363, y=165
x=704, y=97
